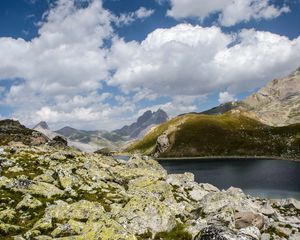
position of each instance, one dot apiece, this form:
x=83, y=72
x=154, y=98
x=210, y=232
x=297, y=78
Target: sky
x=99, y=64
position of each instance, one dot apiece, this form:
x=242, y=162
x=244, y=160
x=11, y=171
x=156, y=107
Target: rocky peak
x=143, y=122
x=145, y=117
x=42, y=125
x=278, y=103
x=9, y=124
x=13, y=131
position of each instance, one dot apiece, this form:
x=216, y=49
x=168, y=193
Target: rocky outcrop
x=65, y=194
x=162, y=144
x=278, y=103
x=12, y=132
x=58, y=141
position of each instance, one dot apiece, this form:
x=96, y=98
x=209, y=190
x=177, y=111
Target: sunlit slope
x=229, y=134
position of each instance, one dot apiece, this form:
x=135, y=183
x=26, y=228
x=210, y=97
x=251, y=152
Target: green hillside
x=229, y=134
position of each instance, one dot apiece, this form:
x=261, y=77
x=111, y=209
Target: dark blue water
x=262, y=178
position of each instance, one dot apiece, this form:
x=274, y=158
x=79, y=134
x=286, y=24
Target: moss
x=178, y=232
x=146, y=235
x=272, y=230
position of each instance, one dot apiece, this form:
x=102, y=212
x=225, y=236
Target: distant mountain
x=145, y=121
x=90, y=141
x=42, y=125
x=43, y=128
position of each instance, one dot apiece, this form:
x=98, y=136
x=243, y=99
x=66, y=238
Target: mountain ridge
x=274, y=112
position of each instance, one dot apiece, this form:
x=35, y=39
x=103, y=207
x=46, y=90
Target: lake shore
x=228, y=157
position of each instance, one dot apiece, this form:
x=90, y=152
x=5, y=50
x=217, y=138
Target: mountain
x=276, y=104
x=12, y=131
x=266, y=123
x=102, y=139
x=43, y=128
x=90, y=141
x=235, y=133
x=143, y=123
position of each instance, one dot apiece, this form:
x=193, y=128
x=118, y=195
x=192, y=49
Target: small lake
x=257, y=177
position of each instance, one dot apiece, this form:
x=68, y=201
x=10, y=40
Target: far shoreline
x=227, y=157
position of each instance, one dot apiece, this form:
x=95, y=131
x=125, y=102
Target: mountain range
x=267, y=123
x=90, y=141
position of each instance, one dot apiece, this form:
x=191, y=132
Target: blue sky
x=96, y=64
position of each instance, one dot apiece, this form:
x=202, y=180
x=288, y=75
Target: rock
x=9, y=228
x=295, y=236
x=7, y=215
x=247, y=219
x=182, y=180
x=58, y=141
x=290, y=203
x=197, y=194
x=143, y=214
x=44, y=189
x=15, y=169
x=64, y=194
x=72, y=227
x=29, y=202
x=81, y=210
x=210, y=233
x=162, y=144
x=283, y=231
x=265, y=236
x=252, y=232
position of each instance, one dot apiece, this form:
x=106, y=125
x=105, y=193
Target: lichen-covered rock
x=29, y=202
x=142, y=214
x=48, y=193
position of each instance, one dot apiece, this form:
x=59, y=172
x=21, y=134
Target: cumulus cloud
x=61, y=71
x=225, y=97
x=191, y=60
x=62, y=68
x=230, y=12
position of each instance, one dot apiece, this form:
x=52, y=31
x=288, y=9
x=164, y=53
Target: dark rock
x=210, y=233
x=13, y=131
x=104, y=152
x=58, y=141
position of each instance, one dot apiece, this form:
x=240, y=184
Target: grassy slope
x=220, y=135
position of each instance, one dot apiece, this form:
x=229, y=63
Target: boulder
x=247, y=219
x=58, y=141
x=29, y=202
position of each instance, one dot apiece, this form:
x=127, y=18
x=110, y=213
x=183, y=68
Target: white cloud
x=230, y=12
x=225, y=97
x=128, y=18
x=62, y=68
x=191, y=60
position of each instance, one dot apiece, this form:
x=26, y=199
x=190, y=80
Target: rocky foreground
x=47, y=193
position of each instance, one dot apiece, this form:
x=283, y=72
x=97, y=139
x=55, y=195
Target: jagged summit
x=143, y=122
x=42, y=125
